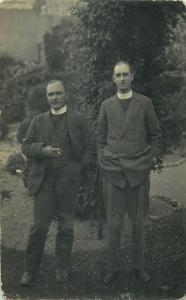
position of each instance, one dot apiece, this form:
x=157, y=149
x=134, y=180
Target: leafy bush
x=86, y=200
x=16, y=90
x=57, y=45
x=98, y=35
x=7, y=67
x=3, y=129
x=24, y=84
x=148, y=34
x=169, y=100
x=15, y=162
x=136, y=31
x=37, y=102
x=62, y=54
x=22, y=130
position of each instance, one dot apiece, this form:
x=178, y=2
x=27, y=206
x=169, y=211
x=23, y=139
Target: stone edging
x=175, y=204
x=173, y=164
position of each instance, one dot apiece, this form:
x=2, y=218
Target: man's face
x=56, y=95
x=123, y=78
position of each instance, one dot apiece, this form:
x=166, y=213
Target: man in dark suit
x=129, y=143
x=58, y=144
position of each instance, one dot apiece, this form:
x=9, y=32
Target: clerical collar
x=124, y=96
x=60, y=111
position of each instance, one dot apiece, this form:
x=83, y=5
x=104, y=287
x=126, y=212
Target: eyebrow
x=122, y=73
x=57, y=93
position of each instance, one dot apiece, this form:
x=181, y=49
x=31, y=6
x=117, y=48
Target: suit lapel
x=70, y=120
x=132, y=112
x=47, y=128
x=124, y=120
x=118, y=113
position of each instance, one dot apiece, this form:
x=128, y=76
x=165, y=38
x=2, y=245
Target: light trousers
x=135, y=202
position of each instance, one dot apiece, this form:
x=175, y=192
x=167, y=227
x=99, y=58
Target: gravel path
x=164, y=255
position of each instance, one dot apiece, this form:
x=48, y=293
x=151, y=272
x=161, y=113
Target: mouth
x=56, y=103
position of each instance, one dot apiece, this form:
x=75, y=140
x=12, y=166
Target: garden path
x=171, y=183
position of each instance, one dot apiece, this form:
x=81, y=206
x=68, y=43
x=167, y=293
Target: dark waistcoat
x=59, y=138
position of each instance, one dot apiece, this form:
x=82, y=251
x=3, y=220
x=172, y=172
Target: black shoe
x=62, y=276
x=141, y=275
x=111, y=276
x=27, y=279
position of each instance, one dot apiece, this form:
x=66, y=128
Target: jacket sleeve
x=154, y=134
x=102, y=128
x=30, y=147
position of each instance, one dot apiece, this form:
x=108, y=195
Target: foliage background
x=151, y=35
x=82, y=50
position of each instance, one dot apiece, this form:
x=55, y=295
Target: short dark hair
x=55, y=80
x=125, y=62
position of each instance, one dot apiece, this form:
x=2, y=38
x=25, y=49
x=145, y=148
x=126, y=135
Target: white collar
x=124, y=96
x=60, y=111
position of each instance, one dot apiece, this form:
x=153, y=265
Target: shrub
x=139, y=32
x=168, y=94
x=7, y=67
x=107, y=31
x=57, y=45
x=37, y=102
x=22, y=130
x=25, y=83
x=3, y=129
x=86, y=200
x=16, y=90
x=15, y=162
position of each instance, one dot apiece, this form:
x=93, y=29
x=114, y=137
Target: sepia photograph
x=93, y=149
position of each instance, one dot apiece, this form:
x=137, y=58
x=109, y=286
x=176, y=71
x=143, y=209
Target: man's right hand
x=49, y=151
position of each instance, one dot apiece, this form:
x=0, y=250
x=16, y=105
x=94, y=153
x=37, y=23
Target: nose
x=54, y=96
x=122, y=77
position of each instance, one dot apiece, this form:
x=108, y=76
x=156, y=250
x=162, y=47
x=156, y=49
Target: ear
x=113, y=78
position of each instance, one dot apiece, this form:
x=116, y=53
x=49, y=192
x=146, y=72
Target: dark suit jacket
x=127, y=141
x=38, y=135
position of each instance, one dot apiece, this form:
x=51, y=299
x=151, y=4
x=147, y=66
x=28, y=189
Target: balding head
x=56, y=94
x=55, y=81
x=123, y=76
x=125, y=62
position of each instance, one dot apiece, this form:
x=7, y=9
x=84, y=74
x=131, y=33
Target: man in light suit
x=129, y=143
x=58, y=144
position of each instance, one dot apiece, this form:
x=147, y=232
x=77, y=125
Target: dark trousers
x=55, y=198
x=119, y=201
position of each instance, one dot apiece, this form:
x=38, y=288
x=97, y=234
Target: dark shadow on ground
x=88, y=269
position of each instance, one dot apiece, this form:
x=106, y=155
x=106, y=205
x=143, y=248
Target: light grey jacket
x=127, y=141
